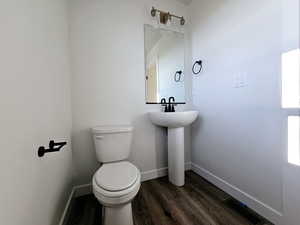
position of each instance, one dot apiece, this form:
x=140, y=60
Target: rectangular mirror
x=164, y=59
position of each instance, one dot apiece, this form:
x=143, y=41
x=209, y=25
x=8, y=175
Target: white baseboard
x=153, y=174
x=77, y=191
x=81, y=190
x=67, y=207
x=258, y=206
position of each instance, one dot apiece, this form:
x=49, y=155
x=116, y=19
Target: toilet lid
x=116, y=176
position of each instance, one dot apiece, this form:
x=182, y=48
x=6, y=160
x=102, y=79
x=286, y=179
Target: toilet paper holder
x=53, y=147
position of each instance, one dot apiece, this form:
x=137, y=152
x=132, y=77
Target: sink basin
x=175, y=122
x=173, y=119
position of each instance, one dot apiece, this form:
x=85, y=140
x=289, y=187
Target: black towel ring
x=199, y=62
x=177, y=78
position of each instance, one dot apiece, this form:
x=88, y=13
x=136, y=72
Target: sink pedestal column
x=176, y=155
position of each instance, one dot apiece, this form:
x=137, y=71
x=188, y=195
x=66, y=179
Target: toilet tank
x=112, y=143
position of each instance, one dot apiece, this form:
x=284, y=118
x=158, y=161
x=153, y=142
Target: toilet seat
x=126, y=192
x=116, y=176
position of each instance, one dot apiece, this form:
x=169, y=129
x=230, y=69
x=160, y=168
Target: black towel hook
x=178, y=78
x=199, y=62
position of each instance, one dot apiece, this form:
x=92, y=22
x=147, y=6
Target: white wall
x=35, y=106
x=108, y=87
x=240, y=135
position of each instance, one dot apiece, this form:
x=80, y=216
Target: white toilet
x=117, y=181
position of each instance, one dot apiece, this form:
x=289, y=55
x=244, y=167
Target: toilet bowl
x=117, y=181
x=115, y=185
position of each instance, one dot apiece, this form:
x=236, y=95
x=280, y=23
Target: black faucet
x=171, y=105
x=163, y=102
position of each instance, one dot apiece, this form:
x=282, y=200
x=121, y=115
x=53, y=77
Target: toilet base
x=121, y=215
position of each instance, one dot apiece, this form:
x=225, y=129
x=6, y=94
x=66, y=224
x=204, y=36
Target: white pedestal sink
x=175, y=122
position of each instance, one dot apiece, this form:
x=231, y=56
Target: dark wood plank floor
x=160, y=203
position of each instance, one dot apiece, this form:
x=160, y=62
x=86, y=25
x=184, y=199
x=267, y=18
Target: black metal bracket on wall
x=53, y=147
x=177, y=78
x=200, y=64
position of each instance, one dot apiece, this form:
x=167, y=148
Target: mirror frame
x=145, y=69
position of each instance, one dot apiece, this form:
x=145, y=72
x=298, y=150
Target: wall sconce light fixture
x=166, y=17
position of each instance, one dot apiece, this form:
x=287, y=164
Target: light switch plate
x=240, y=80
